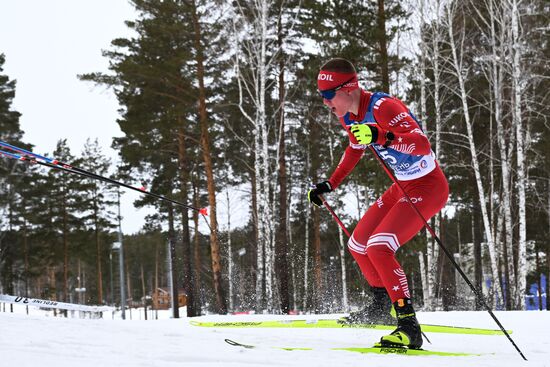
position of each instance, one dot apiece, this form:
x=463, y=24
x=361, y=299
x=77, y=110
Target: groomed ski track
x=39, y=339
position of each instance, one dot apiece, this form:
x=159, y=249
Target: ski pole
x=476, y=291
x=30, y=157
x=334, y=216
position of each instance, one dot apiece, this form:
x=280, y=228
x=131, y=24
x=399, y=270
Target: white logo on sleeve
x=404, y=148
x=413, y=199
x=394, y=121
x=417, y=131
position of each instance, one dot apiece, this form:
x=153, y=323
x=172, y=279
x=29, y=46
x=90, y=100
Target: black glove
x=320, y=188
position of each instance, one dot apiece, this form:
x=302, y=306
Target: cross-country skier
x=384, y=123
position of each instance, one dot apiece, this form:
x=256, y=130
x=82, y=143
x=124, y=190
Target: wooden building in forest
x=162, y=299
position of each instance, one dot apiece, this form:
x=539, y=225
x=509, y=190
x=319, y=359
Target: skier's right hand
x=319, y=189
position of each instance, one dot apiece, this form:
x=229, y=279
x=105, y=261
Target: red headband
x=331, y=79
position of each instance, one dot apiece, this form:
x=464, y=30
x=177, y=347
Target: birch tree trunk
x=436, y=40
x=342, y=242
x=275, y=295
x=383, y=48
x=290, y=249
x=423, y=279
x=423, y=76
x=255, y=52
x=427, y=285
x=499, y=248
x=317, y=274
x=497, y=77
x=437, y=127
x=477, y=239
x=266, y=214
x=345, y=303
x=291, y=252
x=229, y=252
x=293, y=276
x=459, y=73
x=521, y=173
x=427, y=276
x=260, y=245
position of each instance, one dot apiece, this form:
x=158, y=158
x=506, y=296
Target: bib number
x=387, y=157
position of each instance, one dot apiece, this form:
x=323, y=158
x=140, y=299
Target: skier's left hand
x=319, y=189
x=364, y=133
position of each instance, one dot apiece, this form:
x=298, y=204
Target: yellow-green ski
x=406, y=351
x=375, y=350
x=334, y=323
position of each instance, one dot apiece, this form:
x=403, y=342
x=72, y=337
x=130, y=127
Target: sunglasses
x=330, y=93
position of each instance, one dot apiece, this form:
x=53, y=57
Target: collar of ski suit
x=363, y=105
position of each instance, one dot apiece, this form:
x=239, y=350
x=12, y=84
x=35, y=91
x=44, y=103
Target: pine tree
x=97, y=202
x=65, y=204
x=10, y=130
x=154, y=79
x=11, y=173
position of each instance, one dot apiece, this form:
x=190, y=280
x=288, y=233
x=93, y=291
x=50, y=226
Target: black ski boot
x=376, y=312
x=408, y=333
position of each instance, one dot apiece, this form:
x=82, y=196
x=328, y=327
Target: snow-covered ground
x=39, y=339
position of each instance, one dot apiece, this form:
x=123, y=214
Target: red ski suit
x=391, y=221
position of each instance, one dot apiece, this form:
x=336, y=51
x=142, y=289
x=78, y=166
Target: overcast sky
x=47, y=44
